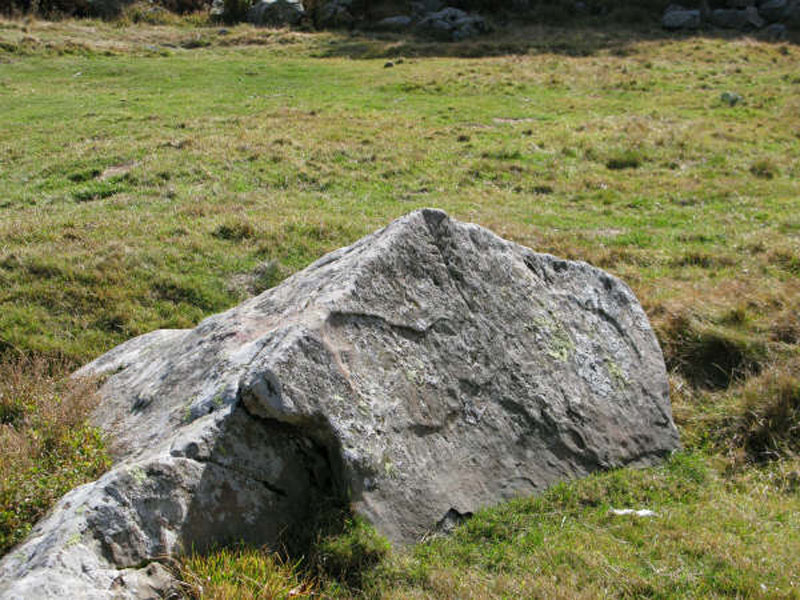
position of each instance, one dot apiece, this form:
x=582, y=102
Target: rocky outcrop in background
x=424, y=372
x=774, y=17
x=454, y=21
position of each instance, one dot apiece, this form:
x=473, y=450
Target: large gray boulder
x=428, y=370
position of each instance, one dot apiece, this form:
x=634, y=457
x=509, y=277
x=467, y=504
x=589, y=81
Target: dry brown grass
x=46, y=447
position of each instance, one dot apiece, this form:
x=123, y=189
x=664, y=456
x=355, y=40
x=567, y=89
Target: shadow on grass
x=509, y=39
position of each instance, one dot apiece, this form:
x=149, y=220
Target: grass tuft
x=347, y=556
x=786, y=327
x=235, y=231
x=244, y=573
x=767, y=425
x=764, y=168
x=627, y=159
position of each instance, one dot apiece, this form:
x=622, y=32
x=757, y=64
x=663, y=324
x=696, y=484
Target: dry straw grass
x=46, y=448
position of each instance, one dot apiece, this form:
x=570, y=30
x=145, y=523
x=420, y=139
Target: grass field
x=152, y=175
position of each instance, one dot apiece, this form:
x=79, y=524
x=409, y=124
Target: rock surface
x=398, y=23
x=742, y=15
x=678, y=18
x=744, y=19
x=336, y=13
x=773, y=10
x=428, y=370
x=277, y=13
x=452, y=24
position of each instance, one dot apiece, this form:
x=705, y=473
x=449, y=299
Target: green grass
x=153, y=175
x=709, y=537
x=706, y=540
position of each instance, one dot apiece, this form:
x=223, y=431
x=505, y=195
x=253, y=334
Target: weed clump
x=629, y=159
x=770, y=422
x=347, y=556
x=244, y=572
x=786, y=260
x=786, y=327
x=235, y=231
x=764, y=168
x=762, y=423
x=703, y=260
x=46, y=446
x=266, y=275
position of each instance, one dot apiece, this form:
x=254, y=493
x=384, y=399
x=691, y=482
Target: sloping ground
x=614, y=149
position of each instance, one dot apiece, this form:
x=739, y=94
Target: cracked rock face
x=426, y=371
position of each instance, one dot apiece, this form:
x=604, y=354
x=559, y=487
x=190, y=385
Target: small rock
x=775, y=32
x=398, y=23
x=743, y=20
x=388, y=65
x=679, y=19
x=754, y=18
x=425, y=7
x=453, y=24
x=636, y=513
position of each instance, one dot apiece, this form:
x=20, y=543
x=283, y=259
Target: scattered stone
x=428, y=370
x=677, y=18
x=773, y=10
x=399, y=23
x=425, y=7
x=453, y=24
x=276, y=13
x=335, y=13
x=388, y=65
x=792, y=16
x=636, y=513
x=727, y=18
x=776, y=32
x=107, y=8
